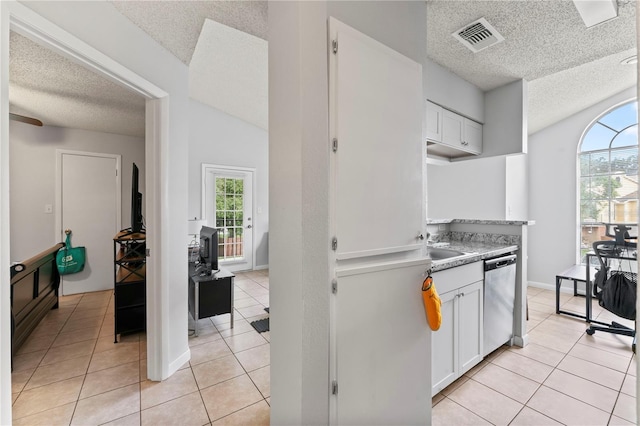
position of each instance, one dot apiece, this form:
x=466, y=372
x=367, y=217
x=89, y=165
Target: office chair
x=611, y=255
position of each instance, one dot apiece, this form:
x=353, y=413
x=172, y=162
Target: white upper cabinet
x=472, y=139
x=452, y=129
x=450, y=134
x=434, y=122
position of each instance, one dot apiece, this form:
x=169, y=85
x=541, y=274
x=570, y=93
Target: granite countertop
x=481, y=222
x=477, y=251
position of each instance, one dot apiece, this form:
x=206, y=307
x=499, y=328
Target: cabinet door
x=434, y=122
x=452, y=129
x=444, y=348
x=470, y=323
x=473, y=136
x=381, y=346
x=376, y=115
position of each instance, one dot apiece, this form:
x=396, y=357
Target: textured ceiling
x=176, y=25
x=569, y=67
x=58, y=92
x=545, y=40
x=229, y=71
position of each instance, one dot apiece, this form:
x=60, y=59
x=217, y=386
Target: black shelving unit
x=130, y=292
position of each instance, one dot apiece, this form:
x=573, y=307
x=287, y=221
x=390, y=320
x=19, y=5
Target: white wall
x=493, y=188
x=221, y=139
x=33, y=177
x=505, y=128
x=102, y=27
x=553, y=194
x=451, y=91
x=516, y=187
x=467, y=189
x=298, y=187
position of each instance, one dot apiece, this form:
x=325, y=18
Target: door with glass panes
x=228, y=194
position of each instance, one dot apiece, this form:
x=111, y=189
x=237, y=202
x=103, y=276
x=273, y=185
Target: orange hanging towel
x=432, y=303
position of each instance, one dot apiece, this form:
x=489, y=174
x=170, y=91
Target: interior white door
x=377, y=110
x=89, y=188
x=228, y=200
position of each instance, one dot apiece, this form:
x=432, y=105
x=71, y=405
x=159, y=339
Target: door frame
x=58, y=190
x=203, y=208
x=19, y=18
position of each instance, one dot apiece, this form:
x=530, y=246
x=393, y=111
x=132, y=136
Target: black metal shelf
x=129, y=277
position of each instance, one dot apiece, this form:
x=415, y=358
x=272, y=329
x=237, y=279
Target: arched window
x=608, y=158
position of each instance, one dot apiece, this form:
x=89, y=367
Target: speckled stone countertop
x=476, y=251
x=481, y=222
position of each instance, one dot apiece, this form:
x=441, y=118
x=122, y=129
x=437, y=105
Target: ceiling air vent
x=478, y=35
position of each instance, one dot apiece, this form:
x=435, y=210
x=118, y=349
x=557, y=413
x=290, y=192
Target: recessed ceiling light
x=631, y=60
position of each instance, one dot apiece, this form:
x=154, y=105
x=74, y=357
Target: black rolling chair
x=611, y=256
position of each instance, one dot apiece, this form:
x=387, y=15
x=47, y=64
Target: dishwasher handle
x=500, y=262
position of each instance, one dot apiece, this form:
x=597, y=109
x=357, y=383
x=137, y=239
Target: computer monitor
x=208, y=250
x=136, y=202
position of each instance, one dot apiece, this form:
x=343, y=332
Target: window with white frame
x=608, y=175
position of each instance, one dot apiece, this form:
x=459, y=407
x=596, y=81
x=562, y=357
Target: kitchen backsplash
x=437, y=235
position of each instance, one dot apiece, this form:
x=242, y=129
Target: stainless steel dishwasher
x=499, y=300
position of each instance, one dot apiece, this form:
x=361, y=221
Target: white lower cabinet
x=457, y=346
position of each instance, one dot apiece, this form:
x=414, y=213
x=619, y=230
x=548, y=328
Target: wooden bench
x=34, y=291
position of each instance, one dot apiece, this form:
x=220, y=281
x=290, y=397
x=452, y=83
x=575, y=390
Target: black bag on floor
x=619, y=295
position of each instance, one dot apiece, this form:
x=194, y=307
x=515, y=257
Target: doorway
x=88, y=196
x=228, y=206
x=160, y=362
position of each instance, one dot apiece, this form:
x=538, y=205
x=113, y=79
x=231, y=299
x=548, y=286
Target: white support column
x=298, y=212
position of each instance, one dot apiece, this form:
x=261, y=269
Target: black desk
x=210, y=295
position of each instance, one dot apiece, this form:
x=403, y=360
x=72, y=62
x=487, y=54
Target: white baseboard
x=566, y=287
x=541, y=285
x=260, y=267
x=179, y=362
x=521, y=341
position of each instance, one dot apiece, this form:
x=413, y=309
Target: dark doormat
x=261, y=325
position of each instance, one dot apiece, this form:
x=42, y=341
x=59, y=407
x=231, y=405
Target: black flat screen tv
x=136, y=202
x=208, y=250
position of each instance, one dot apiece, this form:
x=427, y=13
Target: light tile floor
x=563, y=376
x=69, y=371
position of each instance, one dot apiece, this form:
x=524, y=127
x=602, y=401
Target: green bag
x=70, y=260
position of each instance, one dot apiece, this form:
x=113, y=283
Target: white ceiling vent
x=478, y=35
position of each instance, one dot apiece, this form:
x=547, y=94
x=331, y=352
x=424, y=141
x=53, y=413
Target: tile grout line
x=566, y=354
x=45, y=354
x=539, y=385
x=91, y=359
x=75, y=308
